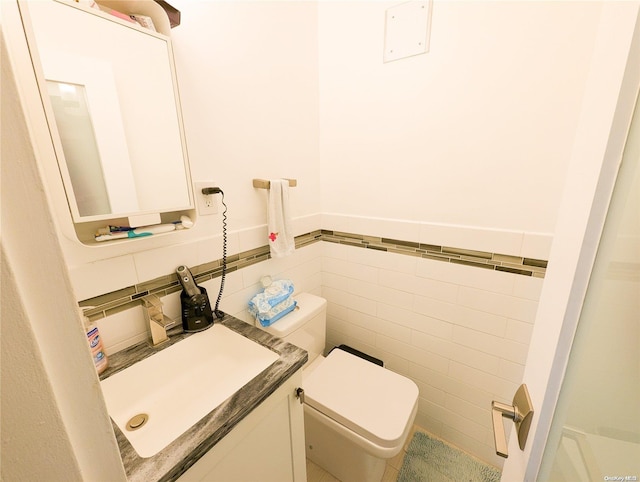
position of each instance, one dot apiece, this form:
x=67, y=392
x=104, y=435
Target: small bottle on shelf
x=96, y=346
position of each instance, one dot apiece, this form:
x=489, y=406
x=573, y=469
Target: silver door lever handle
x=521, y=412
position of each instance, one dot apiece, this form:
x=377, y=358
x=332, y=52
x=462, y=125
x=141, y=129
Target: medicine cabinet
x=109, y=91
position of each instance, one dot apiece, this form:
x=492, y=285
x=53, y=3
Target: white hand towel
x=281, y=241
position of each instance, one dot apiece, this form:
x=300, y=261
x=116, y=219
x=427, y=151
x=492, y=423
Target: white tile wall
x=122, y=330
x=114, y=274
x=461, y=333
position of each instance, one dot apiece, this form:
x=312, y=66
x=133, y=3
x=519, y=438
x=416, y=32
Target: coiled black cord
x=220, y=314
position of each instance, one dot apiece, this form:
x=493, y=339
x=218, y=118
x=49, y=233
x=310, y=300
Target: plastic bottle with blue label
x=95, y=344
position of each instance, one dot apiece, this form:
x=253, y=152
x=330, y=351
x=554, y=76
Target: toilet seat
x=371, y=401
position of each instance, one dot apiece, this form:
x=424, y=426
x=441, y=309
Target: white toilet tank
x=306, y=326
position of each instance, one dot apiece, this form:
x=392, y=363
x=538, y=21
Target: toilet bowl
x=357, y=414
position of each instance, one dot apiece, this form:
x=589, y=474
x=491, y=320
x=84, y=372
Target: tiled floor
x=318, y=474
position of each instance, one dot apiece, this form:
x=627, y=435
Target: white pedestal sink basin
x=179, y=385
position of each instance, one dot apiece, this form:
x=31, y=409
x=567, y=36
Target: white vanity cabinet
x=267, y=445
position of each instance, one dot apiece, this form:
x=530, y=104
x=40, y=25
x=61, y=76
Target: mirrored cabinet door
x=110, y=94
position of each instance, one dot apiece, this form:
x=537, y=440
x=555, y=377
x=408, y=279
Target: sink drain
x=137, y=421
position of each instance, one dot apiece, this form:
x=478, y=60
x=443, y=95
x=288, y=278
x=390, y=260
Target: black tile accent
x=506, y=269
x=471, y=263
x=436, y=257
x=467, y=252
x=330, y=239
x=348, y=235
x=350, y=242
x=399, y=242
x=540, y=263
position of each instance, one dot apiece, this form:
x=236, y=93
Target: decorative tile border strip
x=129, y=297
x=469, y=257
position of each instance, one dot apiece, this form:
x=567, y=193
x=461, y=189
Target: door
x=577, y=281
x=595, y=433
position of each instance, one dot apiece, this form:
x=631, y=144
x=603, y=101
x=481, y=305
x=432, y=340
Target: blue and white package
x=275, y=313
x=275, y=293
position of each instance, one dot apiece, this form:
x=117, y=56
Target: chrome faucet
x=157, y=321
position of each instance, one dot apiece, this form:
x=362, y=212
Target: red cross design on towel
x=273, y=236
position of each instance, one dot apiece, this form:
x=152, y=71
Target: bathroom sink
x=179, y=385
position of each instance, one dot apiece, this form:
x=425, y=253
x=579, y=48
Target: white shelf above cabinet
x=142, y=7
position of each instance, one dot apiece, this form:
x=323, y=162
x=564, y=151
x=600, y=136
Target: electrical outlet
x=207, y=203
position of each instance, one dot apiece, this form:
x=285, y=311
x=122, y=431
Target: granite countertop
x=182, y=453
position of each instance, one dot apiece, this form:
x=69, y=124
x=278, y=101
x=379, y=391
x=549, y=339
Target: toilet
x=357, y=414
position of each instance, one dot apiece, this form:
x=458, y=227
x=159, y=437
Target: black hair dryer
x=196, y=309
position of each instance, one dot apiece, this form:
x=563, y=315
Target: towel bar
x=265, y=184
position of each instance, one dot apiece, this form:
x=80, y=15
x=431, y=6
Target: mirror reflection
x=116, y=122
x=69, y=102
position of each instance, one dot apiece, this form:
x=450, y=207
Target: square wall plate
x=407, y=29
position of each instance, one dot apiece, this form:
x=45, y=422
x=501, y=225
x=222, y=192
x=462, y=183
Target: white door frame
x=609, y=99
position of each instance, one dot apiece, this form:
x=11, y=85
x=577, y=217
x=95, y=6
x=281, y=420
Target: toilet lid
x=372, y=401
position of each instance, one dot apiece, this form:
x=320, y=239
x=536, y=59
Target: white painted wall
x=612, y=88
x=54, y=422
x=476, y=132
x=248, y=74
x=36, y=446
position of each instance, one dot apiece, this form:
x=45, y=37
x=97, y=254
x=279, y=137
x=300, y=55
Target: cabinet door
x=110, y=93
x=268, y=445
